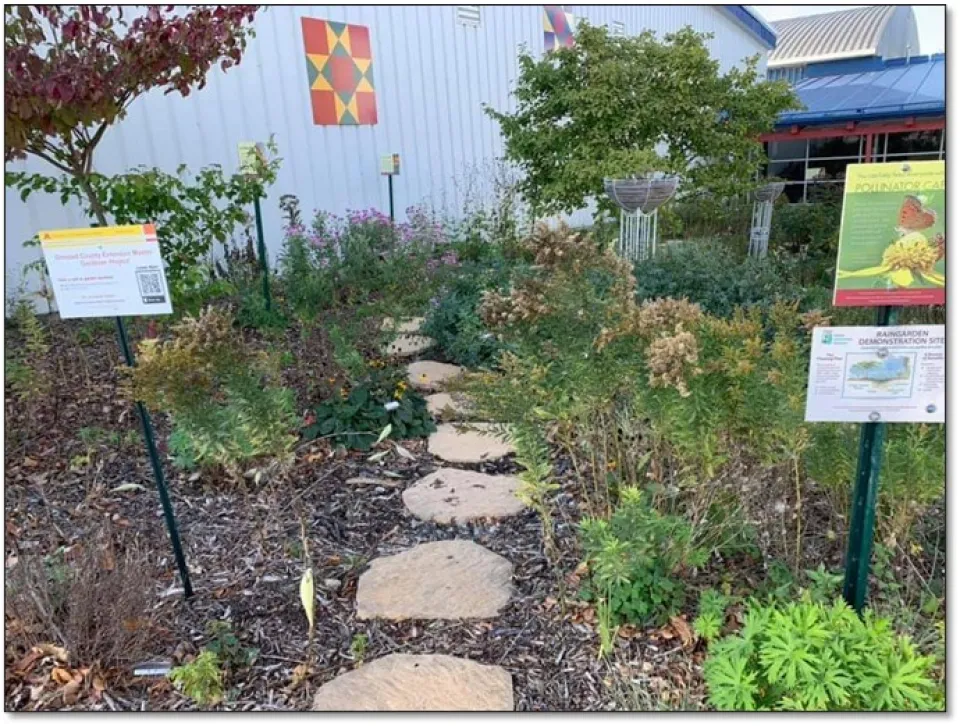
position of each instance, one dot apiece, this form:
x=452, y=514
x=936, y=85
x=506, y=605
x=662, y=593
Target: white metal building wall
x=432, y=76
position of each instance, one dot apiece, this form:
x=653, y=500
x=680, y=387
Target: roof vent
x=468, y=15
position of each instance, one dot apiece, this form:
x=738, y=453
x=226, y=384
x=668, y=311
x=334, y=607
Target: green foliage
x=223, y=398
x=356, y=417
x=810, y=233
x=636, y=559
x=600, y=108
x=228, y=649
x=715, y=277
x=190, y=214
x=26, y=364
x=358, y=647
x=537, y=486
x=711, y=614
x=201, y=680
x=808, y=656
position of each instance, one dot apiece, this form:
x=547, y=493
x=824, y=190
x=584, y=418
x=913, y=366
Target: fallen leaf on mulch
x=687, y=638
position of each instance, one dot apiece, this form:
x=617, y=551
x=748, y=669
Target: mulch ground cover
x=245, y=552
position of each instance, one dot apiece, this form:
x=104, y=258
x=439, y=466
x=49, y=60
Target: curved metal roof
x=843, y=34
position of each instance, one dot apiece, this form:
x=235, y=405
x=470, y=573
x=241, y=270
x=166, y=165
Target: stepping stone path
x=418, y=683
x=429, y=375
x=459, y=445
x=451, y=579
x=458, y=495
x=444, y=406
x=408, y=342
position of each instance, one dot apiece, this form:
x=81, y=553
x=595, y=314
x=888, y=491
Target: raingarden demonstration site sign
x=864, y=374
x=106, y=271
x=892, y=235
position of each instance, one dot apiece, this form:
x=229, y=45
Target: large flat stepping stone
x=449, y=495
x=408, y=345
x=445, y=407
x=430, y=375
x=458, y=445
x=451, y=579
x=408, y=325
x=418, y=683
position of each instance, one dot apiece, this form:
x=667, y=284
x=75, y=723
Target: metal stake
x=262, y=252
x=157, y=470
x=390, y=193
x=863, y=511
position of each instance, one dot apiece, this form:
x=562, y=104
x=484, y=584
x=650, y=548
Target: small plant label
x=877, y=374
x=106, y=271
x=390, y=164
x=892, y=235
x=251, y=154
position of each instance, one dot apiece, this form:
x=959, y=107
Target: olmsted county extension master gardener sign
x=877, y=374
x=106, y=271
x=892, y=235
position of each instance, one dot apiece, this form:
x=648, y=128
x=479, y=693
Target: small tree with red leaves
x=72, y=71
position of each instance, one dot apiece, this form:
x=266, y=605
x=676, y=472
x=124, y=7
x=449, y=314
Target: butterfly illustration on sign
x=914, y=215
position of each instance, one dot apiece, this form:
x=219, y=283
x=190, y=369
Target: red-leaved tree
x=72, y=71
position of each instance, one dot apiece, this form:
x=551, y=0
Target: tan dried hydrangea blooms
x=671, y=359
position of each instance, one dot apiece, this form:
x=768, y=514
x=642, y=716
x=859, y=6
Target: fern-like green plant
x=201, y=680
x=810, y=656
x=711, y=613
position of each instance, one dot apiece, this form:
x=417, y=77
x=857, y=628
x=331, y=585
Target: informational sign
x=390, y=164
x=883, y=374
x=106, y=271
x=892, y=235
x=251, y=153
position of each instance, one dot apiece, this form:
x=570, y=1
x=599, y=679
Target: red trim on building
x=857, y=130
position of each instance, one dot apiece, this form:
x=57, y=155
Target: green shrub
x=636, y=559
x=807, y=656
x=222, y=397
x=810, y=233
x=711, y=614
x=715, y=277
x=355, y=418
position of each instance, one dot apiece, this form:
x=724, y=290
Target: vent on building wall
x=468, y=15
x=617, y=28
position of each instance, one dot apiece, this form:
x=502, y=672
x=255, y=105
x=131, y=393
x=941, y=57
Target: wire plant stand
x=763, y=200
x=638, y=199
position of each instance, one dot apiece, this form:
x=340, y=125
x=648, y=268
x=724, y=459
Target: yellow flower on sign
x=910, y=256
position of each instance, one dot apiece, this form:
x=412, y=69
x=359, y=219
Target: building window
x=468, y=15
x=912, y=143
x=618, y=29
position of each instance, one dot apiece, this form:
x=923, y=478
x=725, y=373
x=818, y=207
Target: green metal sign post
x=262, y=252
x=148, y=438
x=865, y=488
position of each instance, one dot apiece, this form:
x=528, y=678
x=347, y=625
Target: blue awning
x=900, y=90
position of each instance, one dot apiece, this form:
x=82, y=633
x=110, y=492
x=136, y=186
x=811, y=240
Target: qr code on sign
x=151, y=286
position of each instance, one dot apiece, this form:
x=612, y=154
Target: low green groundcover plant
x=356, y=418
x=809, y=656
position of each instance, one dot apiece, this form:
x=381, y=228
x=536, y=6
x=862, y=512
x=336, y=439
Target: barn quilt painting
x=340, y=71
x=557, y=26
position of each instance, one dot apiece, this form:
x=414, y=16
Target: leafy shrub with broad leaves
x=810, y=233
x=223, y=398
x=809, y=656
x=356, y=417
x=636, y=559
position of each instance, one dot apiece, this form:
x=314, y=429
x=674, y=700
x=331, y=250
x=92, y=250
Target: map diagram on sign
x=869, y=375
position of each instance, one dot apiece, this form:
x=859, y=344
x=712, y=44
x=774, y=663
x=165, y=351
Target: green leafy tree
x=603, y=107
x=70, y=72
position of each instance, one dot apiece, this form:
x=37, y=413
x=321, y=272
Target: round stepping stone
x=458, y=445
x=418, y=683
x=430, y=375
x=449, y=495
x=450, y=580
x=444, y=406
x=408, y=345
x=409, y=325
